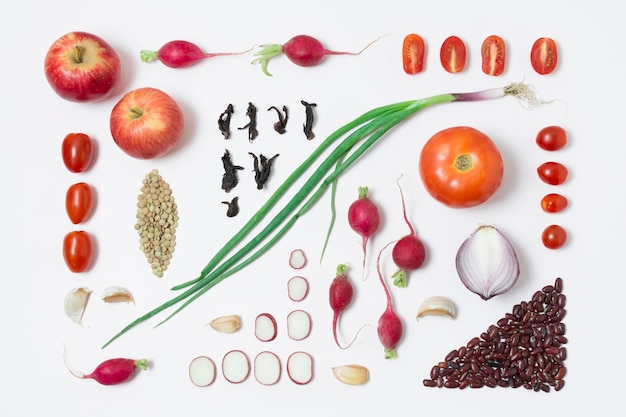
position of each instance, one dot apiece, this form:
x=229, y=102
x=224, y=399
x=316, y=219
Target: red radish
x=302, y=50
x=265, y=327
x=267, y=368
x=340, y=296
x=298, y=325
x=112, y=371
x=202, y=371
x=409, y=252
x=364, y=218
x=297, y=259
x=300, y=368
x=297, y=288
x=235, y=366
x=389, y=324
x=181, y=54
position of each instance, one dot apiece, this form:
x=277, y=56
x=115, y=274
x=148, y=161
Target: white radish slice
x=235, y=366
x=297, y=259
x=300, y=367
x=298, y=324
x=297, y=288
x=267, y=368
x=265, y=327
x=202, y=371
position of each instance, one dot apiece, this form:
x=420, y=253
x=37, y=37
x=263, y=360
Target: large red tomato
x=461, y=167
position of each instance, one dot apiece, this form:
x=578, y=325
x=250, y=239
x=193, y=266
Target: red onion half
x=487, y=263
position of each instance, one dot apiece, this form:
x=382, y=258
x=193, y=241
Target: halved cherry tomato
x=553, y=203
x=453, y=54
x=77, y=250
x=554, y=236
x=493, y=54
x=79, y=202
x=552, y=138
x=553, y=173
x=77, y=151
x=544, y=56
x=461, y=167
x=413, y=50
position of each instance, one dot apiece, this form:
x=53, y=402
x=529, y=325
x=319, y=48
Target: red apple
x=146, y=123
x=82, y=67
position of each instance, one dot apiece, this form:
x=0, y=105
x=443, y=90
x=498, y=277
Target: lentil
x=157, y=220
x=524, y=349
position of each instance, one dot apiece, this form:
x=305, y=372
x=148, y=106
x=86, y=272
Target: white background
x=587, y=99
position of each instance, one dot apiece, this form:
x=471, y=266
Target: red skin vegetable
x=112, y=371
x=181, y=54
x=390, y=327
x=340, y=296
x=364, y=218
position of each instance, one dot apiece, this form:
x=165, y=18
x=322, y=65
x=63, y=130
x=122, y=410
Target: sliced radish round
x=300, y=367
x=297, y=260
x=297, y=288
x=235, y=366
x=265, y=327
x=267, y=368
x=298, y=324
x=202, y=371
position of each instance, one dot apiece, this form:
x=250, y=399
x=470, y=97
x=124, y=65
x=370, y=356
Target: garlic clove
x=437, y=306
x=351, y=374
x=226, y=324
x=75, y=303
x=117, y=295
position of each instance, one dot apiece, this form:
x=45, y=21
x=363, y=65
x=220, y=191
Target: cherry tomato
x=554, y=237
x=544, y=56
x=77, y=151
x=553, y=173
x=79, y=202
x=493, y=55
x=553, y=203
x=77, y=250
x=552, y=138
x=453, y=54
x=413, y=50
x=461, y=167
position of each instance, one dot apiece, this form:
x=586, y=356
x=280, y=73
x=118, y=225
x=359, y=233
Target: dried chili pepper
x=233, y=207
x=262, y=171
x=229, y=179
x=224, y=121
x=281, y=124
x=308, y=124
x=251, y=126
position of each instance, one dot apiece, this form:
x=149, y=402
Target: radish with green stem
x=365, y=130
x=409, y=252
x=302, y=50
x=112, y=371
x=181, y=54
x=389, y=324
x=364, y=218
x=340, y=296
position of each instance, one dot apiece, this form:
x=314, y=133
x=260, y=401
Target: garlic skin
x=487, y=263
x=75, y=303
x=117, y=295
x=226, y=324
x=351, y=374
x=437, y=306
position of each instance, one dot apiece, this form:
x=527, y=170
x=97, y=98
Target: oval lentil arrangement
x=157, y=220
x=524, y=349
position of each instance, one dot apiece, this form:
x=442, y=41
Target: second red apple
x=146, y=123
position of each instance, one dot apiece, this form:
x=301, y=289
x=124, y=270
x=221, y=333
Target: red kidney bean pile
x=525, y=348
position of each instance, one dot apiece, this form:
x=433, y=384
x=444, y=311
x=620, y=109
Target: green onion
x=363, y=131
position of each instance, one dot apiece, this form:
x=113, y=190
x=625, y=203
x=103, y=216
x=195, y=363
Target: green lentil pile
x=157, y=219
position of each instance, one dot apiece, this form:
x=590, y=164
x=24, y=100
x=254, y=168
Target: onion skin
x=487, y=263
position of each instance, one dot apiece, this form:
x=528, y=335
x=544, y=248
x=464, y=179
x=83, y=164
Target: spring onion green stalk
x=363, y=131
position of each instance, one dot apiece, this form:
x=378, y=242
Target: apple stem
x=136, y=112
x=78, y=54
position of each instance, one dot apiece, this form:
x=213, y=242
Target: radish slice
x=202, y=371
x=298, y=324
x=267, y=368
x=300, y=368
x=297, y=260
x=265, y=327
x=235, y=366
x=297, y=288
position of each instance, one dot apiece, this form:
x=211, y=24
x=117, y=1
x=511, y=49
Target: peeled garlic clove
x=226, y=324
x=487, y=263
x=351, y=374
x=75, y=303
x=117, y=295
x=437, y=306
